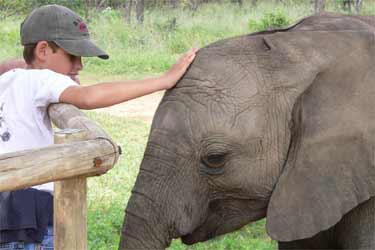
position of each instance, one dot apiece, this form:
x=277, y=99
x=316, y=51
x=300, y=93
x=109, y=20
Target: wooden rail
x=81, y=149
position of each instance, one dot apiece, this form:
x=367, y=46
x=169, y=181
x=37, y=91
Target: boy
x=54, y=39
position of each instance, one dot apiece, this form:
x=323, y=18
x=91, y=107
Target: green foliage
x=274, y=20
x=10, y=39
x=270, y=20
x=166, y=33
x=12, y=7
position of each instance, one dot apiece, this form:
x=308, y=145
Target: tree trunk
x=335, y=5
x=101, y=4
x=140, y=7
x=319, y=6
x=253, y=3
x=239, y=2
x=128, y=11
x=87, y=8
x=175, y=4
x=347, y=5
x=358, y=6
x=194, y=4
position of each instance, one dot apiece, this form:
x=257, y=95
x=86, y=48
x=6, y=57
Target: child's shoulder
x=44, y=74
x=30, y=74
x=12, y=75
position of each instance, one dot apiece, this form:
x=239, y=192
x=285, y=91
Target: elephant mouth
x=226, y=216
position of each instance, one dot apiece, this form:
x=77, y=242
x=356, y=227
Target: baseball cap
x=64, y=27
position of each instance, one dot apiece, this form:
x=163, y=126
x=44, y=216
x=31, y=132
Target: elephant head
x=277, y=124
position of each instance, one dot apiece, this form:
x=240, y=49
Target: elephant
x=277, y=124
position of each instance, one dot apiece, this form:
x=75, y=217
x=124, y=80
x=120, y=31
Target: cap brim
x=82, y=47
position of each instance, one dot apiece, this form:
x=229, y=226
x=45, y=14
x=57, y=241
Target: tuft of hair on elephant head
x=277, y=124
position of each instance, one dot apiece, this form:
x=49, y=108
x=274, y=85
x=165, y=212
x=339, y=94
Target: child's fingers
x=193, y=51
x=189, y=56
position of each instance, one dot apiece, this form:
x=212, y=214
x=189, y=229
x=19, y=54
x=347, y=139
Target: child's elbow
x=78, y=96
x=87, y=103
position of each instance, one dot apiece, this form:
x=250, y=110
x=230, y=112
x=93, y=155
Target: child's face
x=63, y=63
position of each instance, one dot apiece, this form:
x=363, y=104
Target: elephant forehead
x=228, y=84
x=223, y=69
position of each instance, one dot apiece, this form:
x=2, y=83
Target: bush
x=13, y=7
x=270, y=20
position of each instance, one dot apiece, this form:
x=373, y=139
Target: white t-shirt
x=24, y=98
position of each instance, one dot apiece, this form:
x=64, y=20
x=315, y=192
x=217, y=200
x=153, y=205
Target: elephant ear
x=329, y=168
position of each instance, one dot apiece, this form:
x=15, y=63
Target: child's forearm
x=11, y=64
x=111, y=93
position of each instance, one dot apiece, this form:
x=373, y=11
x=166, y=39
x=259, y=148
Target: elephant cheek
x=219, y=223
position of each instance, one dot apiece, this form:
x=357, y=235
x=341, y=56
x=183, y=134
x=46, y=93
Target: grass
x=139, y=51
x=251, y=237
x=108, y=194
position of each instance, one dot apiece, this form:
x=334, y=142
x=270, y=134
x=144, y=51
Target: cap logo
x=82, y=27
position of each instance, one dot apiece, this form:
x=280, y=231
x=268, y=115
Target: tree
x=175, y=3
x=319, y=6
x=347, y=5
x=239, y=2
x=140, y=9
x=128, y=11
x=358, y=6
x=194, y=4
x=97, y=4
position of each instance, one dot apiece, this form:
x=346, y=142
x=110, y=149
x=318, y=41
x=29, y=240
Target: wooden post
x=70, y=220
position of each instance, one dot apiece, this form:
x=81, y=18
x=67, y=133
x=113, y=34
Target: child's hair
x=28, y=51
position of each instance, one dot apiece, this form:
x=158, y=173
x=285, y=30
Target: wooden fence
x=82, y=149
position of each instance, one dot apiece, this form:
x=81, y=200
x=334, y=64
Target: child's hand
x=172, y=76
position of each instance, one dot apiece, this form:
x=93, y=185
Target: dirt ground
x=141, y=108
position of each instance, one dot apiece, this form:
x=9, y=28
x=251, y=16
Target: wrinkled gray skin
x=278, y=124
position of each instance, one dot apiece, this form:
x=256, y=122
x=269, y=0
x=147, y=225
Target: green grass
x=108, y=195
x=251, y=237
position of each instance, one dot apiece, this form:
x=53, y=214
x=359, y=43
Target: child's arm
x=107, y=94
x=11, y=64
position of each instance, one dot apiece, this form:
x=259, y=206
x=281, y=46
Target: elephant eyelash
x=213, y=164
x=214, y=154
x=211, y=171
x=215, y=160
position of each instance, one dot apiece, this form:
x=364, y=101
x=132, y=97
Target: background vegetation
x=149, y=48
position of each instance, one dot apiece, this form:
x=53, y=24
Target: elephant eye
x=215, y=160
x=215, y=153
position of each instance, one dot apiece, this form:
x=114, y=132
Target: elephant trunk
x=144, y=226
x=165, y=202
x=139, y=233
